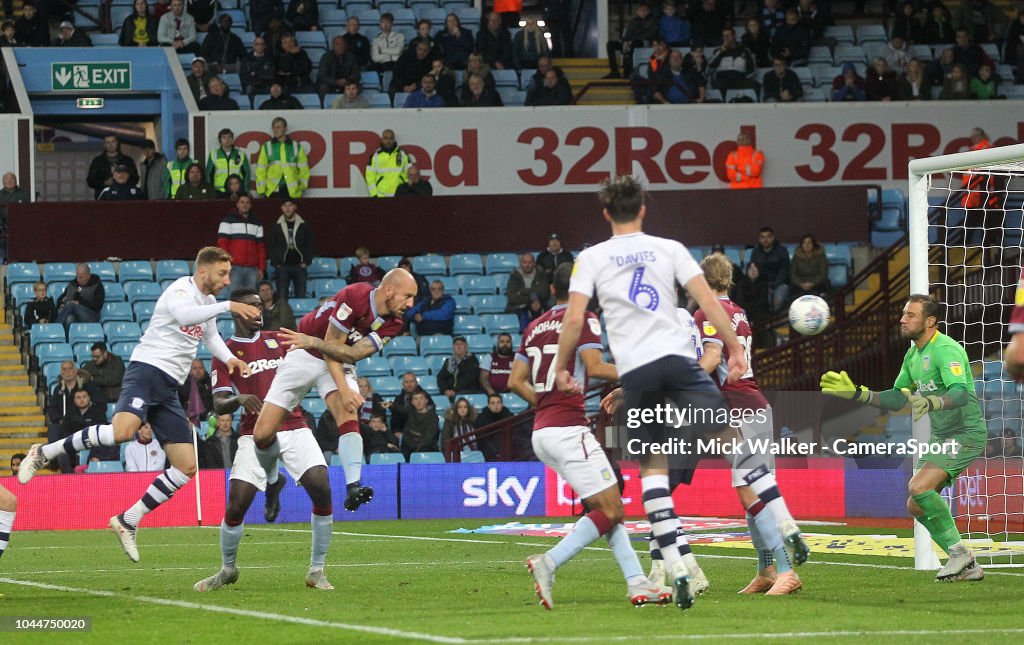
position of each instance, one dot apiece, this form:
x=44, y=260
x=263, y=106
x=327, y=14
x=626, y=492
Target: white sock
x=85, y=439
x=662, y=516
x=350, y=451
x=625, y=555
x=161, y=490
x=583, y=534
x=322, y=526
x=230, y=536
x=6, y=524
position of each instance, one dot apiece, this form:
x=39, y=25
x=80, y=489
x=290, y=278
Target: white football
x=809, y=315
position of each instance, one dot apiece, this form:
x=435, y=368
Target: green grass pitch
x=412, y=581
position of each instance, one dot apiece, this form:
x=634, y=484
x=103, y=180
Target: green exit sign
x=89, y=104
x=76, y=77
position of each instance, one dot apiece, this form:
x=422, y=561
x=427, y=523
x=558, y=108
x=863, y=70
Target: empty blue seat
x=436, y=344
x=346, y=264
x=992, y=370
x=401, y=346
x=429, y=265
x=51, y=373
x=226, y=328
x=386, y=458
x=839, y=254
x=302, y=306
x=134, y=270
x=386, y=386
x=441, y=403
x=435, y=362
x=478, y=401
x=415, y=364
x=22, y=293
x=122, y=331
x=85, y=333
x=315, y=406
x=142, y=292
x=502, y=262
x=426, y=458
x=143, y=310
x=468, y=324
x=171, y=270
x=491, y=304
x=495, y=323
x=388, y=262
x=374, y=366
x=466, y=263
x=327, y=286
x=451, y=285
x=323, y=268
x=505, y=78
x=479, y=343
x=838, y=276
x=105, y=467
x=124, y=349
x=463, y=305
x=47, y=333
x=332, y=17
x=58, y=272
x=116, y=311
x=113, y=292
x=22, y=272
x=82, y=351
x=477, y=285
x=54, y=353
x=514, y=404
x=472, y=457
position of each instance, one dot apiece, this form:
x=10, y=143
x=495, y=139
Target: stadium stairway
x=581, y=71
x=21, y=420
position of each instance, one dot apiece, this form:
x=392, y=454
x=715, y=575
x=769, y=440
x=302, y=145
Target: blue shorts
x=152, y=395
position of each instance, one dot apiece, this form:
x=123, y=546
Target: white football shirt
x=182, y=317
x=692, y=348
x=634, y=277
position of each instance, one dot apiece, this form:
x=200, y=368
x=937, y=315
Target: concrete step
x=11, y=359
x=20, y=399
x=20, y=444
x=16, y=420
x=7, y=411
x=11, y=370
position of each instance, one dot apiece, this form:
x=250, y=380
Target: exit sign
x=89, y=104
x=71, y=77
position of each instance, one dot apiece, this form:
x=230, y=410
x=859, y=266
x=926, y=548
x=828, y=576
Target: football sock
x=762, y=481
x=589, y=527
x=662, y=516
x=764, y=556
x=682, y=543
x=7, y=521
x=652, y=544
x=322, y=522
x=625, y=555
x=161, y=490
x=771, y=538
x=267, y=456
x=85, y=439
x=937, y=519
x=230, y=536
x=350, y=451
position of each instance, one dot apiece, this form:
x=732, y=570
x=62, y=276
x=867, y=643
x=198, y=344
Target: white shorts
x=577, y=456
x=754, y=429
x=297, y=375
x=299, y=452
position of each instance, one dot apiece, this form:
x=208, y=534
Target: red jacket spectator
x=241, y=235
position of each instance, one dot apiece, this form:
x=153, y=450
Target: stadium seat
x=472, y=457
x=401, y=346
x=171, y=270
x=374, y=366
x=47, y=333
x=116, y=311
x=490, y=304
x=495, y=323
x=992, y=370
x=840, y=33
x=388, y=262
x=838, y=276
x=435, y=344
x=143, y=310
x=466, y=263
x=386, y=458
x=314, y=406
x=142, y=292
x=849, y=54
x=379, y=100
x=740, y=96
x=386, y=386
x=124, y=349
x=122, y=331
x=51, y=373
x=370, y=80
x=302, y=306
x=441, y=403
x=513, y=402
x=451, y=285
x=135, y=270
x=415, y=364
x=82, y=351
x=22, y=272
x=113, y=292
x=226, y=328
x=819, y=54
x=435, y=362
x=478, y=401
x=434, y=14
x=462, y=304
x=500, y=281
x=501, y=262
x=476, y=285
x=839, y=254
x=323, y=268
x=480, y=343
x=505, y=78
x=54, y=353
x=22, y=293
x=55, y=290
x=429, y=265
x=467, y=325
x=85, y=333
x=871, y=33
x=327, y=286
x=58, y=272
x=332, y=17
x=426, y=458
x=105, y=467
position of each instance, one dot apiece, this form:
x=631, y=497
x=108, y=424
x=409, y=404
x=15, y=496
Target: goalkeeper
x=936, y=367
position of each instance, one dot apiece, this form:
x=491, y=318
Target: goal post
x=973, y=269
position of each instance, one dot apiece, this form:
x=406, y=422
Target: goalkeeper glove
x=839, y=384
x=922, y=405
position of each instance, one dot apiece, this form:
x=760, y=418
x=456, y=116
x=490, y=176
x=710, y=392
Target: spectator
x=202, y=11
x=293, y=65
x=812, y=18
x=642, y=29
x=106, y=370
x=424, y=34
x=496, y=366
x=422, y=286
x=745, y=164
x=372, y=402
x=478, y=94
x=781, y=84
x=195, y=186
x=326, y=434
x=881, y=83
x=257, y=70
x=434, y=315
x=277, y=313
x=84, y=413
x=553, y=90
x=153, y=166
x=303, y=15
x=101, y=169
x=139, y=27
x=753, y=293
x=10, y=193
x=460, y=421
x=912, y=85
x=455, y=42
x=16, y=460
x=32, y=29
x=445, y=82
x=773, y=262
x=848, y=86
x=940, y=69
x=196, y=394
x=71, y=37
x=938, y=28
x=985, y=86
x=414, y=185
x=280, y=100
x=357, y=43
x=957, y=86
x=241, y=235
x=697, y=65
x=1014, y=52
x=897, y=54
x=460, y=373
x=40, y=309
x=352, y=98
x=403, y=402
x=177, y=29
x=62, y=402
x=226, y=160
x=494, y=43
x=410, y=69
x=1005, y=446
x=808, y=272
x=219, y=450
x=335, y=69
x=222, y=48
x=525, y=283
x=983, y=21
x=364, y=270
x=282, y=170
x=233, y=189
x=792, y=40
x=909, y=24
x=676, y=84
x=426, y=96
x=509, y=11
x=733, y=65
x=421, y=430
x=377, y=439
x=557, y=21
x=290, y=249
x=967, y=53
x=495, y=412
x=143, y=454
x=387, y=167
x=672, y=27
x=177, y=170
x=707, y=20
x=217, y=97
x=121, y=190
x=83, y=298
x=261, y=12
x=771, y=17
x=553, y=255
x=529, y=45
x=757, y=41
x=387, y=46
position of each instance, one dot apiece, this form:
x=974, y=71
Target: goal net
x=965, y=224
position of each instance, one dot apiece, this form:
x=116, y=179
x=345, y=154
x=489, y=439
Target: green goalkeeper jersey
x=941, y=365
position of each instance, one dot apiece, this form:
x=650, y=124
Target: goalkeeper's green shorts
x=954, y=464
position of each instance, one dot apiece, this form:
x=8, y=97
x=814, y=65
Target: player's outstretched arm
x=840, y=385
x=698, y=288
x=568, y=339
x=519, y=382
x=333, y=347
x=597, y=367
x=224, y=403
